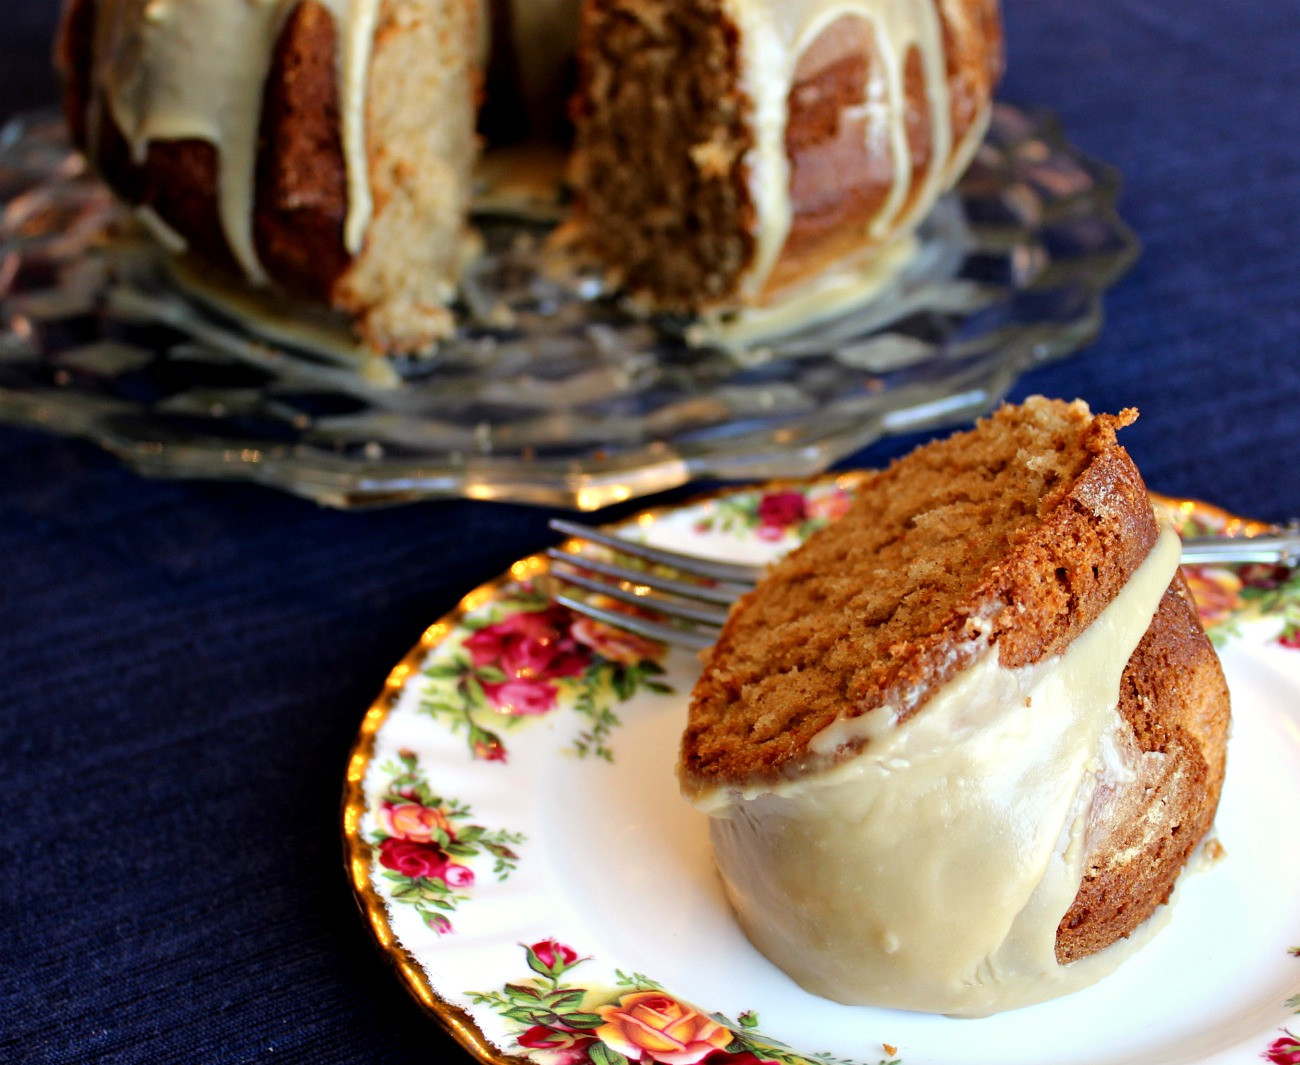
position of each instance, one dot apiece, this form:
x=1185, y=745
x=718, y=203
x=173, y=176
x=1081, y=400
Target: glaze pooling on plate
x=609, y=936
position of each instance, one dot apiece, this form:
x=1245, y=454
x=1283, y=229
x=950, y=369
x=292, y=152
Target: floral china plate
x=516, y=841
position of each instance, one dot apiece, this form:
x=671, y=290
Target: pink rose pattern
x=424, y=842
x=560, y=1023
x=530, y=650
x=787, y=513
x=778, y=512
x=523, y=657
x=1285, y=1050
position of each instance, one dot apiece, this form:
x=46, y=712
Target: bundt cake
x=959, y=746
x=724, y=150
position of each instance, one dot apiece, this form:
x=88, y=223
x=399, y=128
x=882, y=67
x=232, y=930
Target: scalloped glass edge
x=603, y=476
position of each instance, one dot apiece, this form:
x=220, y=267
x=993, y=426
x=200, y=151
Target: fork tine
x=1281, y=548
x=693, y=565
x=723, y=593
x=698, y=625
x=673, y=608
x=694, y=639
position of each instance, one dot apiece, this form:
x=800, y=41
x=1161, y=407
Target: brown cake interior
x=1027, y=525
x=659, y=158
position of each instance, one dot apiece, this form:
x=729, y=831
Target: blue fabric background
x=184, y=665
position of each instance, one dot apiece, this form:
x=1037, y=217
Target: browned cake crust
x=395, y=274
x=1033, y=521
x=73, y=55
x=836, y=184
x=1174, y=702
x=301, y=185
x=301, y=193
x=1027, y=525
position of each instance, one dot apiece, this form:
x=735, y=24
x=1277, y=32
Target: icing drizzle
x=774, y=36
x=196, y=69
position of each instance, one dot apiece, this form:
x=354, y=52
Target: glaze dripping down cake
x=324, y=146
x=958, y=748
x=730, y=150
x=724, y=151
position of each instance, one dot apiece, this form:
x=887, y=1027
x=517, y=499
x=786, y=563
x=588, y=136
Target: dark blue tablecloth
x=184, y=665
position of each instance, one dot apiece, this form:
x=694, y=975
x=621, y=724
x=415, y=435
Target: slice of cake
x=959, y=746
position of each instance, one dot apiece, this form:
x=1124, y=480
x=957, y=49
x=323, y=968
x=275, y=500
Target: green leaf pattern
x=426, y=845
x=522, y=657
x=558, y=1022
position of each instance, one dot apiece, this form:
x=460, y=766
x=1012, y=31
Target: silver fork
x=692, y=594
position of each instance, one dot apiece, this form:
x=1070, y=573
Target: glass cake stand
x=552, y=391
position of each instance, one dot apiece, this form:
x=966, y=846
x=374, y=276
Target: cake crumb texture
x=1017, y=532
x=659, y=161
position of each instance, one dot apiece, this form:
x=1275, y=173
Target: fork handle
x=1281, y=548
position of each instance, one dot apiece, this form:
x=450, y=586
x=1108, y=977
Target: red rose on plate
x=520, y=698
x=413, y=859
x=554, y=1046
x=782, y=508
x=1284, y=1051
x=553, y=954
x=530, y=645
x=777, y=511
x=549, y=950
x=489, y=749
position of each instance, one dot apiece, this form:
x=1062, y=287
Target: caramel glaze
x=837, y=185
x=301, y=181
x=1174, y=704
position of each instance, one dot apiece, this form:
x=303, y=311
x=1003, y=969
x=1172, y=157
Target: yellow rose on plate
x=652, y=1024
x=410, y=820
